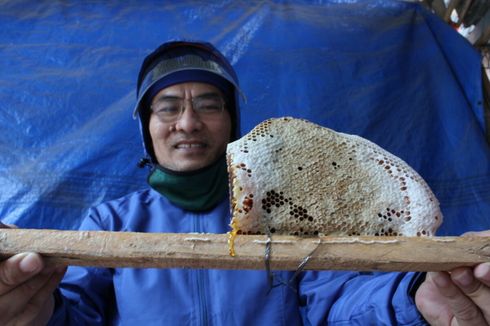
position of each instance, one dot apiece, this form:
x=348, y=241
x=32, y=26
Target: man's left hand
x=459, y=297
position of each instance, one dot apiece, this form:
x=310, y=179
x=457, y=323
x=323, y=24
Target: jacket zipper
x=200, y=280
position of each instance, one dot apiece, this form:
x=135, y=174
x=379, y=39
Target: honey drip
x=231, y=238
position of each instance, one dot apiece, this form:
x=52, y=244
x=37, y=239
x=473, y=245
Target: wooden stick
x=182, y=250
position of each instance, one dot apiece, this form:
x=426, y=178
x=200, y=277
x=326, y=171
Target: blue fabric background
x=386, y=70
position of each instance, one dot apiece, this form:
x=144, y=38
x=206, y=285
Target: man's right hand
x=26, y=289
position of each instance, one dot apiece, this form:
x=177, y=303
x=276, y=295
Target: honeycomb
x=292, y=177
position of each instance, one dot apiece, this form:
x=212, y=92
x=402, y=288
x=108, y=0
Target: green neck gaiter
x=198, y=190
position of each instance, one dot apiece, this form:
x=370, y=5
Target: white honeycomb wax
x=290, y=176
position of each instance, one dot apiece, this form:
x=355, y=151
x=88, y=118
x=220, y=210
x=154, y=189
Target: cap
x=173, y=58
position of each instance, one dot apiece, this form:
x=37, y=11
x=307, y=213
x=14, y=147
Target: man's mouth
x=192, y=145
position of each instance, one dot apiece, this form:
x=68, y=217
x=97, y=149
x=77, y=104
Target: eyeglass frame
x=182, y=106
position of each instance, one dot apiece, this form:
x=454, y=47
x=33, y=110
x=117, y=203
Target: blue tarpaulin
x=389, y=71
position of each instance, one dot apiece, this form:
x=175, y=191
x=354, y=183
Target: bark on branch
x=181, y=250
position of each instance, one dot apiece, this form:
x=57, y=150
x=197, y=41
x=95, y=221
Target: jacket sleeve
x=86, y=294
x=359, y=298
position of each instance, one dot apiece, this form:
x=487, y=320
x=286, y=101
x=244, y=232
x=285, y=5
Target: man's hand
x=26, y=290
x=459, y=297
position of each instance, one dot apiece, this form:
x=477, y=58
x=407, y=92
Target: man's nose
x=189, y=121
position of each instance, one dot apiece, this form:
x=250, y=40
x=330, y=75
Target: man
x=188, y=111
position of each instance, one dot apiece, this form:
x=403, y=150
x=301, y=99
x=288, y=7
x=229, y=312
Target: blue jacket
x=129, y=296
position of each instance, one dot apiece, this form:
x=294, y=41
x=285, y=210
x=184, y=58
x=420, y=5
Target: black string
x=271, y=277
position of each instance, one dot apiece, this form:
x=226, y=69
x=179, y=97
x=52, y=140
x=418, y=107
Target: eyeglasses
x=170, y=109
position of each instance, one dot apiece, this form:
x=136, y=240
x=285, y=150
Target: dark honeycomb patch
x=260, y=131
x=243, y=167
x=274, y=199
x=248, y=203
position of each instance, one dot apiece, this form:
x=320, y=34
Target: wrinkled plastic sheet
x=386, y=70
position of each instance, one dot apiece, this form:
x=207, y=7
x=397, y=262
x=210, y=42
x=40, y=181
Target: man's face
x=193, y=141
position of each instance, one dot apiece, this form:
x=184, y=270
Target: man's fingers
x=41, y=305
x=47, y=290
x=465, y=311
x=431, y=304
x=482, y=273
x=471, y=286
x=15, y=301
x=17, y=269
